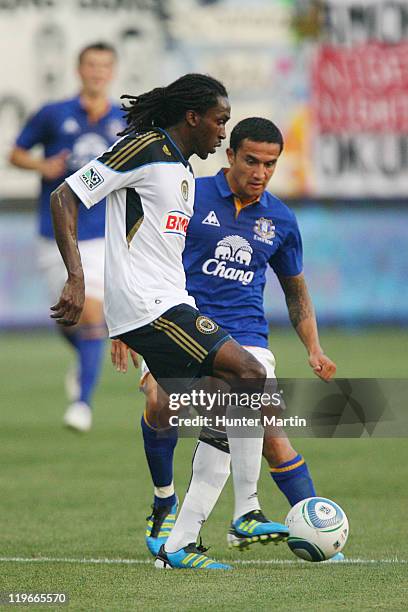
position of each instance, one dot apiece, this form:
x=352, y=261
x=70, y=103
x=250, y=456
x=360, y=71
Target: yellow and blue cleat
x=189, y=557
x=159, y=525
x=254, y=527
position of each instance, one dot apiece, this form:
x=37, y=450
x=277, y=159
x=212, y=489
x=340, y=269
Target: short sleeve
x=36, y=130
x=288, y=260
x=95, y=181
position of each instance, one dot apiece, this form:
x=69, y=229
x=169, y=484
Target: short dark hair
x=256, y=129
x=165, y=106
x=97, y=46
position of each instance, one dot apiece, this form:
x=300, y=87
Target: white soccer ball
x=318, y=529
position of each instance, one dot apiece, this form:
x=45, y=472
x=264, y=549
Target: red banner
x=361, y=89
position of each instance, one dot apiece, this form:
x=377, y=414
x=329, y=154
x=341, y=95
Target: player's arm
x=49, y=167
x=89, y=185
x=303, y=319
x=36, y=131
x=64, y=211
x=24, y=159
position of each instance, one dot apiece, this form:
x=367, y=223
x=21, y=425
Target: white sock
x=211, y=468
x=246, y=457
x=163, y=492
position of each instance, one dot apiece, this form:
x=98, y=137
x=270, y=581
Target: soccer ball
x=318, y=529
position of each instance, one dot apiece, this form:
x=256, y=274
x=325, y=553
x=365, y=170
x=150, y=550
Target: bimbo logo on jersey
x=232, y=249
x=176, y=222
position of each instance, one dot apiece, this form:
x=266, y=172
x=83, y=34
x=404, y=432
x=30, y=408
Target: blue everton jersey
x=65, y=126
x=228, y=249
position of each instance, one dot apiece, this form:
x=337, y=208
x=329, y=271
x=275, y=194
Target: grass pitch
x=73, y=507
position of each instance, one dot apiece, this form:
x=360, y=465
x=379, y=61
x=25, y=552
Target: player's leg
x=90, y=337
x=174, y=349
x=210, y=471
x=52, y=267
x=159, y=443
x=288, y=468
x=53, y=270
x=246, y=451
x=249, y=525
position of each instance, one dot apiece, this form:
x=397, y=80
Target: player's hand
x=55, y=166
x=69, y=307
x=322, y=366
x=119, y=356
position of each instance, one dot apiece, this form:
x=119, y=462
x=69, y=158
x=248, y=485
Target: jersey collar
x=77, y=101
x=173, y=144
x=225, y=189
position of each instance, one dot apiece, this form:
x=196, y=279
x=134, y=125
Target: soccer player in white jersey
x=149, y=187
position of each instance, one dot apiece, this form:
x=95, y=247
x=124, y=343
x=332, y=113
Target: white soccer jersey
x=150, y=195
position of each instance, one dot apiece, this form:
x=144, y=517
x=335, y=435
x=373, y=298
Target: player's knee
x=219, y=474
x=157, y=410
x=152, y=407
x=251, y=368
x=277, y=450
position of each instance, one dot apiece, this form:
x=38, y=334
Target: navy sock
x=72, y=337
x=159, y=447
x=164, y=501
x=91, y=345
x=294, y=480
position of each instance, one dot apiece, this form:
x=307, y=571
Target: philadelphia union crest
x=184, y=190
x=206, y=325
x=264, y=230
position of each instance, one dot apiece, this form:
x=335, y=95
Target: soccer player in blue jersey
x=71, y=133
x=238, y=229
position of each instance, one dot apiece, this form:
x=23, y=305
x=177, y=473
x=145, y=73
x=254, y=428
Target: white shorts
x=52, y=266
x=263, y=355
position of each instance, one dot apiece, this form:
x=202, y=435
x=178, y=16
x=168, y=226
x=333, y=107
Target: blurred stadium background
x=333, y=75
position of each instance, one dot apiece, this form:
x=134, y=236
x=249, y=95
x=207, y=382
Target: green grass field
x=73, y=507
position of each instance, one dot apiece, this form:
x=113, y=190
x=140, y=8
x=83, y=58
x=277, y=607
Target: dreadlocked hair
x=165, y=106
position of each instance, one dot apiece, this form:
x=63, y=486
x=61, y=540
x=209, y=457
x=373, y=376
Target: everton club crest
x=264, y=230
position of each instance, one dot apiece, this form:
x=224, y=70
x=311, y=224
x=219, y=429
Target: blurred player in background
x=71, y=133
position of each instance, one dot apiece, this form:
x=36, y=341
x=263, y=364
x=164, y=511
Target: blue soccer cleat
x=159, y=525
x=338, y=557
x=254, y=527
x=189, y=557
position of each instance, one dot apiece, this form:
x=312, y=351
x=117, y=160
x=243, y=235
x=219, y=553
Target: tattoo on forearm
x=298, y=300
